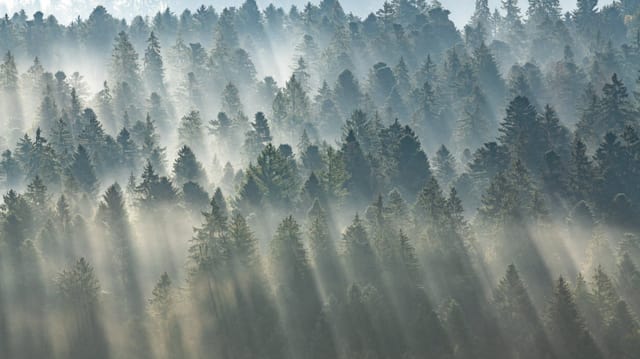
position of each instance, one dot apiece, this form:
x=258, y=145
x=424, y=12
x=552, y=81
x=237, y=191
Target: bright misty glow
x=67, y=10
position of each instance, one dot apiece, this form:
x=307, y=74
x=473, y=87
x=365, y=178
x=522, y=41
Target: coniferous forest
x=305, y=183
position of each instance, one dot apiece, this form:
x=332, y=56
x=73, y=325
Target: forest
x=299, y=183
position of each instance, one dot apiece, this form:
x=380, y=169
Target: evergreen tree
x=581, y=172
x=10, y=170
x=231, y=103
x=610, y=113
x=41, y=160
x=190, y=131
x=605, y=295
x=518, y=318
x=359, y=252
x=9, y=73
x=297, y=288
x=251, y=194
x=210, y=247
x=585, y=15
x=323, y=253
x=520, y=132
x=358, y=183
x=244, y=244
x=258, y=137
x=276, y=176
x=104, y=100
x=36, y=195
x=153, y=66
x=486, y=70
x=83, y=171
x=196, y=199
x=473, y=128
x=128, y=149
x=48, y=112
x=62, y=142
x=629, y=281
x=347, y=92
x=80, y=291
x=622, y=336
x=186, y=168
x=413, y=169
x=566, y=327
x=445, y=166
x=162, y=297
x=334, y=175
x=124, y=63
x=481, y=14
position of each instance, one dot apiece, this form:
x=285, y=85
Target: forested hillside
x=306, y=183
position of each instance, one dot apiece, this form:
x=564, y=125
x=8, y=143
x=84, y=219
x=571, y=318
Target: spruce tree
x=361, y=260
x=258, y=137
x=79, y=291
x=153, y=72
x=518, y=318
x=445, y=166
x=190, y=131
x=186, y=168
x=566, y=327
x=83, y=171
x=124, y=63
x=357, y=166
x=244, y=244
x=297, y=287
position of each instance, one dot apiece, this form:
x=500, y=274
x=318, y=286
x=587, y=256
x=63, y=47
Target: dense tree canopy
x=252, y=182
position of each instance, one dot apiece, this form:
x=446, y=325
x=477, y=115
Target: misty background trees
x=305, y=183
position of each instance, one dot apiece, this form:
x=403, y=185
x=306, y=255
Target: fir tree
x=445, y=166
x=518, y=317
x=153, y=72
x=83, y=171
x=258, y=137
x=186, y=168
x=566, y=327
x=190, y=131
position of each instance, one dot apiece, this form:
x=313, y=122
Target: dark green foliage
x=322, y=249
x=610, y=113
x=347, y=92
x=153, y=65
x=566, y=327
x=359, y=251
x=489, y=160
x=297, y=288
x=521, y=133
x=519, y=319
x=124, y=63
x=186, y=168
x=258, y=137
x=244, y=244
x=17, y=219
x=276, y=177
x=445, y=166
x=210, y=247
x=83, y=172
x=79, y=290
x=358, y=183
x=153, y=189
x=195, y=197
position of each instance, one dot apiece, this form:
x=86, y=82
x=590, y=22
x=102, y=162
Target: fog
x=67, y=10
x=246, y=180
